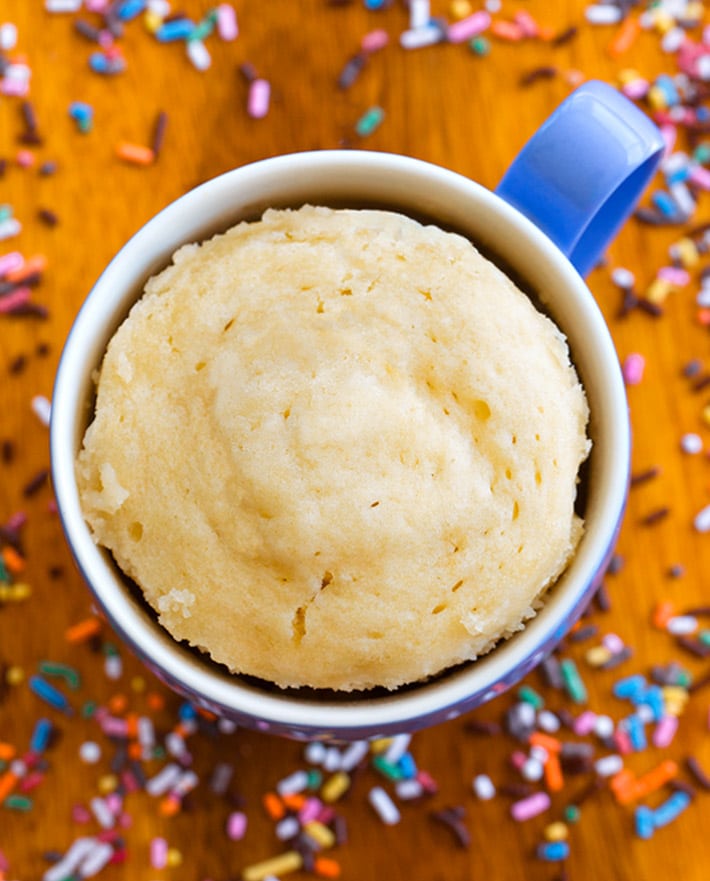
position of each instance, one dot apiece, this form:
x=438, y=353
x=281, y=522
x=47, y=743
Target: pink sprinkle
x=158, y=853
x=14, y=300
x=309, y=811
x=584, y=723
x=105, y=39
x=15, y=87
x=636, y=89
x=633, y=368
x=529, y=807
x=227, y=26
x=10, y=262
x=259, y=98
x=669, y=133
x=25, y=158
x=527, y=23
x=79, y=814
x=468, y=27
x=375, y=40
x=236, y=825
x=427, y=781
x=613, y=643
x=665, y=730
x=674, y=275
x=623, y=742
x=518, y=759
x=96, y=5
x=700, y=177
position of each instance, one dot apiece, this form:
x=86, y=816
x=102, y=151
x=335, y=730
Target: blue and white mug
x=558, y=206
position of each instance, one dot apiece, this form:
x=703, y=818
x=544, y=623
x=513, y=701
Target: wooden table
x=444, y=104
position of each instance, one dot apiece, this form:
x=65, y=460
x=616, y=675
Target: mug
x=555, y=210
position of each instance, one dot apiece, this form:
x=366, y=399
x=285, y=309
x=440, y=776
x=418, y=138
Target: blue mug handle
x=580, y=175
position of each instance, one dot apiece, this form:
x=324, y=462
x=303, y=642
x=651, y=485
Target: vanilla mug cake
x=336, y=436
x=317, y=476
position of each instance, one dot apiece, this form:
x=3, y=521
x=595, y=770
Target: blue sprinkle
x=48, y=693
x=633, y=725
x=553, y=851
x=374, y=4
x=130, y=9
x=40, y=736
x=670, y=809
x=177, y=29
x=407, y=766
x=630, y=687
x=653, y=697
x=187, y=712
x=644, y=822
x=664, y=203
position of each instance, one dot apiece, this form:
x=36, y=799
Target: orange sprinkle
x=545, y=32
x=8, y=781
x=7, y=752
x=326, y=867
x=13, y=561
x=623, y=780
x=273, y=806
x=506, y=30
x=551, y=744
x=294, y=801
x=135, y=153
x=117, y=703
x=132, y=725
x=206, y=714
x=625, y=37
x=83, y=631
x=662, y=614
x=135, y=750
x=703, y=317
x=156, y=701
x=553, y=774
x=169, y=806
x=34, y=264
x=657, y=777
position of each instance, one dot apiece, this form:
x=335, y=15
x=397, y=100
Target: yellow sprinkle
x=335, y=786
x=658, y=290
x=686, y=251
x=706, y=414
x=290, y=861
x=152, y=21
x=556, y=831
x=14, y=675
x=460, y=9
x=657, y=98
x=20, y=591
x=138, y=684
x=662, y=21
x=597, y=656
x=107, y=784
x=173, y=857
x=320, y=833
x=693, y=11
x=5, y=592
x=628, y=75
x=381, y=745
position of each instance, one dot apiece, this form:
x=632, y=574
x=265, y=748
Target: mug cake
x=337, y=449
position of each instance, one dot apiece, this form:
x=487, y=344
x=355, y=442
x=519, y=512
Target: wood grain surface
x=444, y=104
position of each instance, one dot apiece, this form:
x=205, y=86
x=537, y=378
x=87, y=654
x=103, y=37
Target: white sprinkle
x=287, y=828
x=175, y=745
x=42, y=408
x=102, y=812
x=354, y=754
x=703, y=296
x=548, y=722
x=385, y=808
x=494, y=6
x=623, y=278
x=408, y=789
x=62, y=5
x=417, y=39
x=164, y=780
x=98, y=857
x=71, y=860
x=332, y=759
x=315, y=752
x=483, y=787
x=187, y=782
x=683, y=198
x=672, y=40
x=226, y=726
x=691, y=443
x=10, y=228
x=532, y=770
x=198, y=54
x=682, y=625
x=8, y=36
x=419, y=13
x=398, y=747
x=598, y=14
x=113, y=667
x=603, y=726
x=292, y=784
x=702, y=520
x=645, y=713
x=89, y=752
x=607, y=766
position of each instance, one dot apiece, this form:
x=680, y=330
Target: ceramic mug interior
x=355, y=179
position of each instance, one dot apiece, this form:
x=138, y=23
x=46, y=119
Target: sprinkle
x=529, y=807
x=700, y=777
x=553, y=851
x=83, y=630
x=655, y=516
x=644, y=476
x=421, y=37
x=453, y=818
x=375, y=40
x=48, y=693
x=573, y=681
x=290, y=861
x=469, y=27
x=236, y=825
x=351, y=71
x=369, y=121
x=227, y=26
x=135, y=154
x=383, y=805
x=258, y=98
x=633, y=368
x=89, y=752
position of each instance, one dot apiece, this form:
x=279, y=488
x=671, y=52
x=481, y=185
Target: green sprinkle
x=18, y=803
x=387, y=769
x=573, y=681
x=702, y=153
x=572, y=813
x=479, y=46
x=203, y=29
x=704, y=637
x=529, y=696
x=4, y=576
x=315, y=778
x=68, y=674
x=109, y=649
x=5, y=212
x=88, y=709
x=369, y=121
